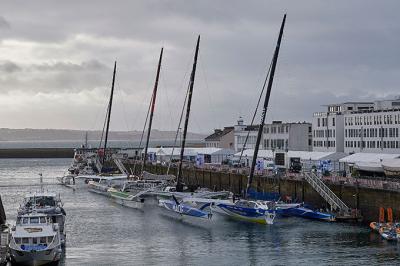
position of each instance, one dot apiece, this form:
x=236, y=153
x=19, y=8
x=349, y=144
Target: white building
x=287, y=136
x=221, y=138
x=373, y=131
x=240, y=134
x=351, y=127
x=328, y=127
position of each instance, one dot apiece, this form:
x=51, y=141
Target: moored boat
x=183, y=210
x=261, y=212
x=35, y=240
x=303, y=212
x=47, y=203
x=126, y=199
x=388, y=233
x=103, y=183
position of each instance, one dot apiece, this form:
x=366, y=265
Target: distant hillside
x=28, y=134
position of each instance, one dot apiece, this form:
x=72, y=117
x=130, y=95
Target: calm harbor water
x=100, y=232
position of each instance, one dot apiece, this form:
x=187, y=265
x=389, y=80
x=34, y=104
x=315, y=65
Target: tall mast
x=109, y=112
x=86, y=139
x=179, y=186
x=264, y=111
x=153, y=103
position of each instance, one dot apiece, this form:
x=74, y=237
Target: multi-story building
x=375, y=130
x=287, y=136
x=358, y=127
x=241, y=132
x=221, y=138
x=328, y=127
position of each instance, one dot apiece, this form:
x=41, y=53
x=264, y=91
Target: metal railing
x=121, y=166
x=325, y=192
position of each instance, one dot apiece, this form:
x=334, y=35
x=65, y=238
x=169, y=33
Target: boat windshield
x=34, y=220
x=31, y=220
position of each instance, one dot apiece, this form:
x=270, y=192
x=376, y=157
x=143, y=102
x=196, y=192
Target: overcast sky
x=56, y=59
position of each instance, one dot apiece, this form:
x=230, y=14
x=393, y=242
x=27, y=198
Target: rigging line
x=210, y=101
x=144, y=128
x=166, y=96
x=104, y=126
x=255, y=112
x=177, y=131
x=97, y=113
x=119, y=92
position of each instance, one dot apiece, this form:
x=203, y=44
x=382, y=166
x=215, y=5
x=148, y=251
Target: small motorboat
x=388, y=233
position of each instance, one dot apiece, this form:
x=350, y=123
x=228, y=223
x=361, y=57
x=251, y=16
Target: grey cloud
x=4, y=23
x=9, y=67
x=91, y=65
x=332, y=51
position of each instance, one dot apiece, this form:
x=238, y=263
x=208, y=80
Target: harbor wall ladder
x=325, y=192
x=121, y=166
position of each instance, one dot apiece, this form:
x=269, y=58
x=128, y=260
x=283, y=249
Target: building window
x=333, y=121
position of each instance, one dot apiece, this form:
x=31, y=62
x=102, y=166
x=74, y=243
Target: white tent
x=368, y=157
x=261, y=153
x=217, y=155
x=308, y=155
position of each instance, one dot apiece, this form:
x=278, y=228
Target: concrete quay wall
x=367, y=200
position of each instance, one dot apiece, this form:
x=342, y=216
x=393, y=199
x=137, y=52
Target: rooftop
x=218, y=133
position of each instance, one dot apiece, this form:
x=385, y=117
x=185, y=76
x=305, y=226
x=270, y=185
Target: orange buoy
x=381, y=215
x=390, y=215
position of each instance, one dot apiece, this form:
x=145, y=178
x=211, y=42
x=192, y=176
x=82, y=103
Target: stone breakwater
x=37, y=153
x=362, y=194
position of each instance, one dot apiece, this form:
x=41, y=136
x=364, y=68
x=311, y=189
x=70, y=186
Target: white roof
x=303, y=155
x=261, y=153
x=188, y=151
x=391, y=163
x=368, y=157
x=308, y=155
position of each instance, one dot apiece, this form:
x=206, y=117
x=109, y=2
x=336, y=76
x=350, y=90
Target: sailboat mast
x=153, y=103
x=86, y=139
x=109, y=112
x=179, y=186
x=266, y=101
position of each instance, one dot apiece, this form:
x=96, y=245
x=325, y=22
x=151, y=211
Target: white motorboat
x=47, y=203
x=35, y=240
